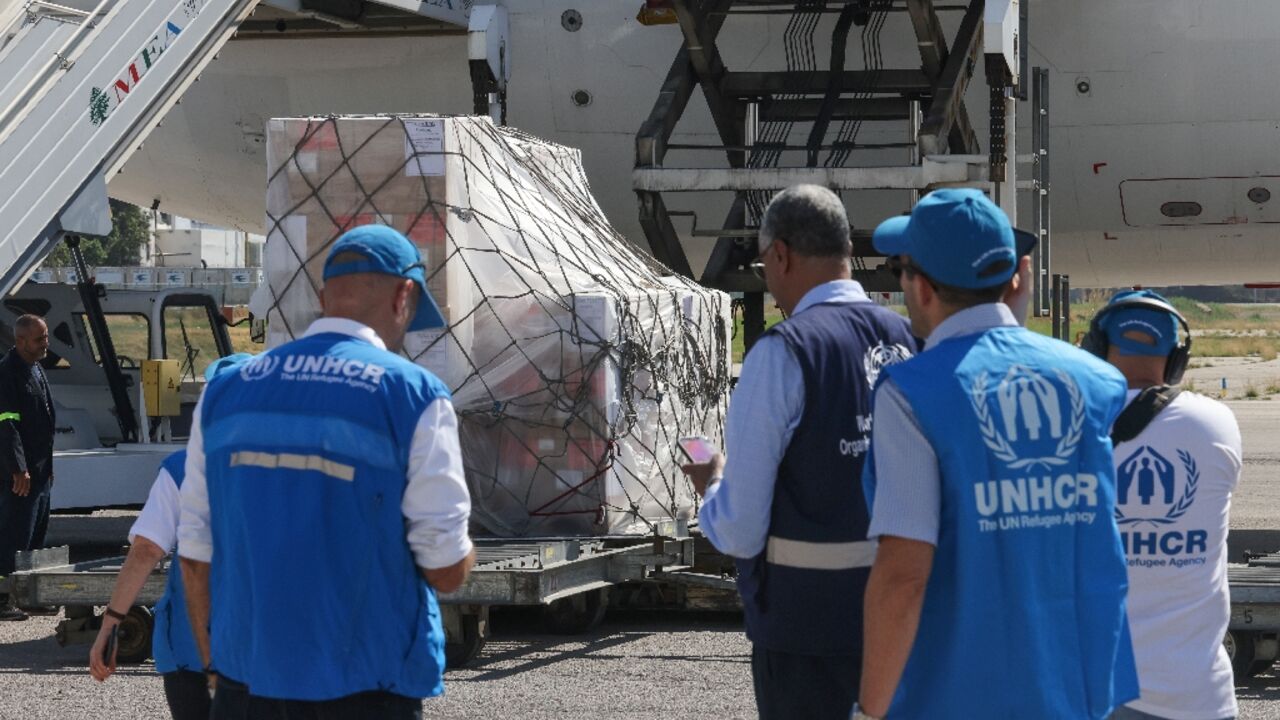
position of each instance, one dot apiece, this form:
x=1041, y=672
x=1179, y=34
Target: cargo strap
x=1138, y=415
x=820, y=556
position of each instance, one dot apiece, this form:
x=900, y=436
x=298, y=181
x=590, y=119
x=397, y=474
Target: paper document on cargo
x=575, y=360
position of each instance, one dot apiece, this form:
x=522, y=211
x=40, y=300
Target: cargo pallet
x=567, y=576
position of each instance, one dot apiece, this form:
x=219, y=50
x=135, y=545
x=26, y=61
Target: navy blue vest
x=171, y=642
x=1024, y=612
x=803, y=594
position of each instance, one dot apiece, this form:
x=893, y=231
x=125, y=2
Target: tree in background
x=130, y=231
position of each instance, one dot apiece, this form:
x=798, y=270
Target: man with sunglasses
x=992, y=495
x=324, y=506
x=788, y=504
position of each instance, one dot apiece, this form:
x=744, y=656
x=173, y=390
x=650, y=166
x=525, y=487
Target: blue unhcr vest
x=171, y=642
x=315, y=591
x=803, y=594
x=1024, y=612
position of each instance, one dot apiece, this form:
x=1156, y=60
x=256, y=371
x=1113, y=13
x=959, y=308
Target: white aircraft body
x=1163, y=127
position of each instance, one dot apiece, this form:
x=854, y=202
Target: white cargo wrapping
x=575, y=360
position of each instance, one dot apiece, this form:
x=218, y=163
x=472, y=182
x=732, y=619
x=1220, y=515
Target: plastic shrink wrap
x=575, y=360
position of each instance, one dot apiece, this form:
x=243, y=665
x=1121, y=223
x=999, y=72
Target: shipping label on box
x=424, y=148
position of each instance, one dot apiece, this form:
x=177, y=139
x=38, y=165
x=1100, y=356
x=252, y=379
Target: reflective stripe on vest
x=820, y=556
x=293, y=461
x=10, y=416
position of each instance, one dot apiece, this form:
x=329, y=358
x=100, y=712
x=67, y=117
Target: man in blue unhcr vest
x=998, y=590
x=324, y=485
x=787, y=504
x=152, y=537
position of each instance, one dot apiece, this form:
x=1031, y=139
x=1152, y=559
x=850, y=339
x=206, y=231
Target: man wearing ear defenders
x=1177, y=461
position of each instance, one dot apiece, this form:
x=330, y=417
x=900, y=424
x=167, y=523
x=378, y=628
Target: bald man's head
x=385, y=303
x=31, y=338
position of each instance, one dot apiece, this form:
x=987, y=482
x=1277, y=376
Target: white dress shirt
x=158, y=521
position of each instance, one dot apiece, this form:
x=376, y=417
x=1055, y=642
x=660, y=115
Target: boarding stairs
x=802, y=123
x=81, y=88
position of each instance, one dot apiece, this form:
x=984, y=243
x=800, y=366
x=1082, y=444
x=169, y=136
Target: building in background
x=182, y=243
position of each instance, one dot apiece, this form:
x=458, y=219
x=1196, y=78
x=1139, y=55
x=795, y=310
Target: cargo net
x=575, y=360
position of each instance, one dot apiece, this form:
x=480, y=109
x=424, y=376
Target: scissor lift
x=756, y=115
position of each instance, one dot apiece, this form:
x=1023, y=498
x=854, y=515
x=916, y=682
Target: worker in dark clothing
x=26, y=447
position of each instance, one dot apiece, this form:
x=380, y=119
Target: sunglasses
x=757, y=265
x=897, y=266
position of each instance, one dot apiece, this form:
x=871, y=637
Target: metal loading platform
x=568, y=577
x=1253, y=635
x=802, y=123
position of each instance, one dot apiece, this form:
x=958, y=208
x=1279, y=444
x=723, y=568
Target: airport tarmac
x=634, y=665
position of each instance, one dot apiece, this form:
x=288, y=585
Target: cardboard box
x=328, y=175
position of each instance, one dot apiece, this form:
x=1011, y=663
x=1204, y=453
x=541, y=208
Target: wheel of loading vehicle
x=1242, y=649
x=459, y=652
x=577, y=614
x=135, y=636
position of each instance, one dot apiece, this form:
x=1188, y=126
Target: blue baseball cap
x=1160, y=326
x=386, y=252
x=958, y=238
x=223, y=364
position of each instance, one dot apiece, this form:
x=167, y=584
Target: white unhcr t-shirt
x=1173, y=495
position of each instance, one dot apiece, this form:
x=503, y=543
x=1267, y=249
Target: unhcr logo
x=1146, y=493
x=1150, y=471
x=1026, y=420
x=1025, y=396
x=332, y=369
x=260, y=367
x=1036, y=494
x=1147, y=481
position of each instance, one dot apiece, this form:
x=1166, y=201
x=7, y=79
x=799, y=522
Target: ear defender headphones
x=1097, y=343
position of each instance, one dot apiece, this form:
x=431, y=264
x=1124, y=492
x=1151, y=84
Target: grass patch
x=1081, y=315
x=772, y=316
x=1226, y=346
x=240, y=341
x=1224, y=324
x=1251, y=391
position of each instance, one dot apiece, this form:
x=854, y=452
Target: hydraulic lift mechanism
x=767, y=121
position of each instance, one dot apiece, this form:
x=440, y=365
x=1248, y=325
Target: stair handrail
x=61, y=60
